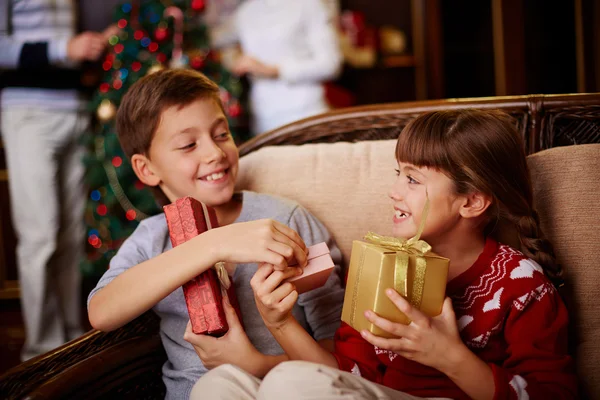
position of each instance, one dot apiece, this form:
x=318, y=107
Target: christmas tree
x=153, y=35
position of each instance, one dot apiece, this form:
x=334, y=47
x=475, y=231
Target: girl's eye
x=411, y=180
x=397, y=171
x=222, y=136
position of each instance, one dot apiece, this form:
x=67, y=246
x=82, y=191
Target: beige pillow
x=566, y=184
x=345, y=185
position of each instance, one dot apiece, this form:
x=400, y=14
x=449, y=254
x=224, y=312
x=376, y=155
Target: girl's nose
x=395, y=192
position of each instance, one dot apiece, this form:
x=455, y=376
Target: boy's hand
x=232, y=348
x=434, y=342
x=261, y=241
x=245, y=64
x=273, y=300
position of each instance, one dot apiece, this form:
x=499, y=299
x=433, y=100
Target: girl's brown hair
x=482, y=151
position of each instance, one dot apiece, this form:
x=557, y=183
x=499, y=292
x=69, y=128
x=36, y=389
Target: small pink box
x=317, y=270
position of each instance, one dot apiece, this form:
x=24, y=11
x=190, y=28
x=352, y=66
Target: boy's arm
x=136, y=289
x=132, y=291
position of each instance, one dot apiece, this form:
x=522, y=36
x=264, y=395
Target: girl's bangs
x=423, y=143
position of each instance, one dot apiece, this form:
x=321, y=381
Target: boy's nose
x=212, y=153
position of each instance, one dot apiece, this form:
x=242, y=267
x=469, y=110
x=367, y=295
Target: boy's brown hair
x=142, y=106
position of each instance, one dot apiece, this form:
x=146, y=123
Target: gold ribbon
x=220, y=266
x=404, y=248
x=223, y=275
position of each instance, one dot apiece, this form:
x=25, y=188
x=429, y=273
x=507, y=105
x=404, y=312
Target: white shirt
x=299, y=38
x=52, y=21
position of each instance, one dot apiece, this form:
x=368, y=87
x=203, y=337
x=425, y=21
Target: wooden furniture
x=127, y=362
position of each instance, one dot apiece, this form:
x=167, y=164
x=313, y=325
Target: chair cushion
x=345, y=185
x=566, y=183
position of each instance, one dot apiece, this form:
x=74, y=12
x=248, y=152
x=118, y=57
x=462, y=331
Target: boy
x=172, y=126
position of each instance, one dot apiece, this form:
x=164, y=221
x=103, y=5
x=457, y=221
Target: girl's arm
x=140, y=287
x=538, y=364
x=275, y=302
x=299, y=345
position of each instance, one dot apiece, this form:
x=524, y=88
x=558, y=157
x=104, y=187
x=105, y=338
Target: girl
x=502, y=332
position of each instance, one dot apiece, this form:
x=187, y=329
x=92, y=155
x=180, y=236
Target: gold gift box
x=419, y=275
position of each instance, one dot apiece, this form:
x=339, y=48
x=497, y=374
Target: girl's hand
x=232, y=348
x=250, y=65
x=262, y=241
x=434, y=342
x=274, y=300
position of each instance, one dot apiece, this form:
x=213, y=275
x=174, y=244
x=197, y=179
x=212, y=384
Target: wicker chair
x=126, y=363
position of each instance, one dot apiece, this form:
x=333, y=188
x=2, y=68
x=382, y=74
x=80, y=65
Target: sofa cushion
x=345, y=185
x=566, y=183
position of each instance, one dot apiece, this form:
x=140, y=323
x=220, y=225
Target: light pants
x=47, y=196
x=292, y=380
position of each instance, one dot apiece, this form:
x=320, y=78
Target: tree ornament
x=235, y=109
x=161, y=34
x=155, y=68
x=106, y=111
x=198, y=5
x=197, y=62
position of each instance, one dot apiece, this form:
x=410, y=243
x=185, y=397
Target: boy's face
x=192, y=154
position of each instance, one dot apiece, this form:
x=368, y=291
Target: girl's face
x=409, y=192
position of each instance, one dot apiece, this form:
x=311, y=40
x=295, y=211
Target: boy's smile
x=193, y=154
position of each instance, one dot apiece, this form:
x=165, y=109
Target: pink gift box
x=317, y=270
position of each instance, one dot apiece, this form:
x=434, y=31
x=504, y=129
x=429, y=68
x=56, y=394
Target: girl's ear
x=475, y=205
x=143, y=170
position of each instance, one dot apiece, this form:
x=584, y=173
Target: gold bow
x=403, y=249
x=223, y=275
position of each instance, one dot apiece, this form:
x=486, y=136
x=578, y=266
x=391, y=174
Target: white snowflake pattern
x=519, y=384
x=536, y=294
x=389, y=353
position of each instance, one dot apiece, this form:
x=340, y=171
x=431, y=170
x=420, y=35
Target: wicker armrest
x=86, y=360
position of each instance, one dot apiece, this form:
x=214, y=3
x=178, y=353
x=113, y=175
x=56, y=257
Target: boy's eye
x=187, y=146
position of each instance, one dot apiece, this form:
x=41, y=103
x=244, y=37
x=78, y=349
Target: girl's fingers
x=274, y=280
x=288, y=301
x=261, y=274
x=282, y=292
x=396, y=345
x=387, y=325
x=416, y=316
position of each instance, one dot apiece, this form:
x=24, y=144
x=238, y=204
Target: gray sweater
x=318, y=311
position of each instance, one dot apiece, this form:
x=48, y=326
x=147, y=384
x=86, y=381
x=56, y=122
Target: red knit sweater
x=508, y=314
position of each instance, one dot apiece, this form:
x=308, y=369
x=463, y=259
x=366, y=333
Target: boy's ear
x=143, y=170
x=476, y=203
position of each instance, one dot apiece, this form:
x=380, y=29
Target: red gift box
x=187, y=218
